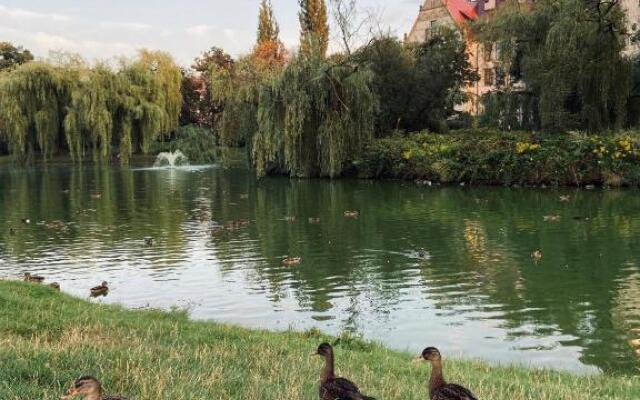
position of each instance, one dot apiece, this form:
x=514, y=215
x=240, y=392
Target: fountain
x=171, y=159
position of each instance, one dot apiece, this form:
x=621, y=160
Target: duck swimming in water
x=422, y=253
x=351, y=214
x=55, y=285
x=289, y=261
x=32, y=278
x=537, y=255
x=439, y=389
x=100, y=290
x=90, y=389
x=331, y=387
x=149, y=242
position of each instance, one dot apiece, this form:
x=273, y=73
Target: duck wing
x=341, y=389
x=453, y=392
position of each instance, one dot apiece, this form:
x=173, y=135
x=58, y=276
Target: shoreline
x=49, y=339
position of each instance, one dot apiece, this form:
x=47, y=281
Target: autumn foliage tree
x=269, y=52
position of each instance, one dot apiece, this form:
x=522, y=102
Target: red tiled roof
x=461, y=10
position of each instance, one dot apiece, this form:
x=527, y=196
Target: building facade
x=483, y=58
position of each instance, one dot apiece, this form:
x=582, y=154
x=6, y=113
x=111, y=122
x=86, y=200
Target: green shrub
x=492, y=157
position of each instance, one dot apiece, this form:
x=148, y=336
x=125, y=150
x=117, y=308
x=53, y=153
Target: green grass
x=48, y=339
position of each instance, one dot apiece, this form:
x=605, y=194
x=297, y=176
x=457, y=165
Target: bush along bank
x=507, y=158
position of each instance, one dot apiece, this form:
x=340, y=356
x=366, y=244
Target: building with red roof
x=457, y=13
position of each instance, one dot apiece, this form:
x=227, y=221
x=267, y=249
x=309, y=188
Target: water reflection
x=220, y=237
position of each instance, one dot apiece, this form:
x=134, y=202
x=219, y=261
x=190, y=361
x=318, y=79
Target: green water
x=476, y=293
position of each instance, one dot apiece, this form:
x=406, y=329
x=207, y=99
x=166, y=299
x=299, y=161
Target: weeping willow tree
x=235, y=91
x=44, y=108
x=313, y=119
x=90, y=114
x=169, y=78
x=30, y=109
x=570, y=56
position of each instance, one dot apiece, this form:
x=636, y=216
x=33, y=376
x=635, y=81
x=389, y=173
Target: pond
x=220, y=237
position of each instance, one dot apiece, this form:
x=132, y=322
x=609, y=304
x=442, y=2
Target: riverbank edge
x=48, y=339
x=482, y=157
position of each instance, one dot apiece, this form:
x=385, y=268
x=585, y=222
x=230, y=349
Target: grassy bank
x=48, y=339
x=506, y=158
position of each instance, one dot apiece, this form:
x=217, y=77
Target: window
x=488, y=50
x=489, y=77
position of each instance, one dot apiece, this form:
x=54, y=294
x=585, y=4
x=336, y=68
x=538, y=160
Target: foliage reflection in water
x=220, y=238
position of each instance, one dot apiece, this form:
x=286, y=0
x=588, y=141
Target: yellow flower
x=523, y=147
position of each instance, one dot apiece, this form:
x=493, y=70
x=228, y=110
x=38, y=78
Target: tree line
x=99, y=112
x=564, y=65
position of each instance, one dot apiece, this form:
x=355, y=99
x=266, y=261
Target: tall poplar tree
x=314, y=26
x=268, y=29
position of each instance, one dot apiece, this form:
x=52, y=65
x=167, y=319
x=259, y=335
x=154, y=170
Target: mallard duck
x=32, y=278
x=11, y=232
x=352, y=214
x=100, y=290
x=90, y=389
x=289, y=261
x=537, y=255
x=439, y=389
x=331, y=387
x=55, y=285
x=26, y=221
x=422, y=253
x=149, y=242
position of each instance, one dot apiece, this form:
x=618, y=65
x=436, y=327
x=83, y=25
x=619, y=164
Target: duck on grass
x=49, y=339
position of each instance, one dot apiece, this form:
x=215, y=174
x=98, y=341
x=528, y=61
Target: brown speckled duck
x=32, y=278
x=331, y=387
x=90, y=389
x=100, y=290
x=439, y=389
x=291, y=261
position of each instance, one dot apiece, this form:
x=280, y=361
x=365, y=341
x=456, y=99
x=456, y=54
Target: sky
x=103, y=29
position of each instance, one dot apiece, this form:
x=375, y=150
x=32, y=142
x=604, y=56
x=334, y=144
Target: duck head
x=87, y=386
x=324, y=350
x=431, y=354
